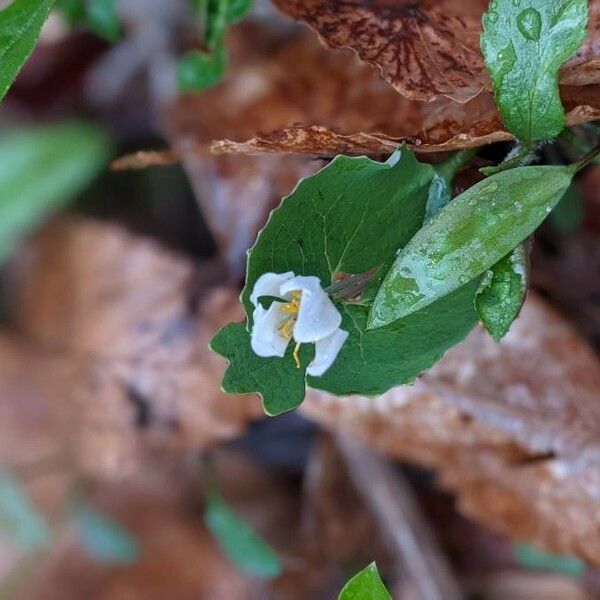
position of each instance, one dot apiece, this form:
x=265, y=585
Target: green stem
x=454, y=163
x=592, y=156
x=524, y=156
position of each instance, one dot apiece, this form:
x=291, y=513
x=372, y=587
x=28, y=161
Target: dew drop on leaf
x=492, y=16
x=529, y=23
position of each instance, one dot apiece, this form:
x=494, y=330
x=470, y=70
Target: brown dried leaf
x=121, y=327
x=518, y=421
x=298, y=98
x=425, y=49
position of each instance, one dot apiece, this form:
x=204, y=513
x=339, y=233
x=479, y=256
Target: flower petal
x=326, y=351
x=265, y=339
x=268, y=284
x=317, y=316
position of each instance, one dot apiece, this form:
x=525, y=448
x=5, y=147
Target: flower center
x=286, y=327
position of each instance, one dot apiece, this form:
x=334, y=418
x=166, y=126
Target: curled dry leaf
x=120, y=329
x=512, y=428
x=299, y=98
x=425, y=49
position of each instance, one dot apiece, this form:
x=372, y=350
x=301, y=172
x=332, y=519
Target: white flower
x=307, y=315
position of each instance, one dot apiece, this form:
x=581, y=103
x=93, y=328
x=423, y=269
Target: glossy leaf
x=248, y=551
x=20, y=26
x=42, y=169
x=524, y=43
x=530, y=557
x=19, y=518
x=503, y=292
x=103, y=19
x=278, y=381
x=467, y=237
x=365, y=585
x=105, y=539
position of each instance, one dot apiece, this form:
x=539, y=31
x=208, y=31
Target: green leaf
x=20, y=26
x=278, y=381
x=467, y=237
x=524, y=44
x=105, y=539
x=42, y=169
x=350, y=217
x=502, y=294
x=249, y=552
x=199, y=71
x=19, y=518
x=103, y=19
x=531, y=558
x=365, y=585
x=372, y=362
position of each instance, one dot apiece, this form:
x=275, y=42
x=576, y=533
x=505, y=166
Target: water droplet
x=490, y=189
x=464, y=279
x=507, y=57
x=516, y=2
x=492, y=16
x=529, y=23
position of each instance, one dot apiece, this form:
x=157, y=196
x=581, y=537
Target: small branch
x=390, y=498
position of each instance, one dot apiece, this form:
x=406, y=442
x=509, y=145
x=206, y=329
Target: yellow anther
x=297, y=356
x=286, y=328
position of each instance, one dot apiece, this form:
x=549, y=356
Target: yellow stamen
x=297, y=356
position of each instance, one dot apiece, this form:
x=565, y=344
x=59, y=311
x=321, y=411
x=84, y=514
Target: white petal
x=265, y=339
x=268, y=284
x=317, y=316
x=326, y=352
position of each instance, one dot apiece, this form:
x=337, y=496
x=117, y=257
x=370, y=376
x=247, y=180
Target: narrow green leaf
x=20, y=26
x=103, y=19
x=199, y=71
x=278, y=381
x=466, y=238
x=502, y=294
x=365, y=585
x=19, y=518
x=105, y=539
x=531, y=558
x=524, y=44
x=42, y=169
x=248, y=551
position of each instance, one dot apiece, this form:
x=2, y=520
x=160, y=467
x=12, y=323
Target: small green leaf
x=104, y=539
x=103, y=19
x=531, y=558
x=42, y=169
x=524, y=44
x=467, y=237
x=249, y=552
x=365, y=585
x=20, y=27
x=199, y=71
x=18, y=516
x=278, y=381
x=502, y=294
